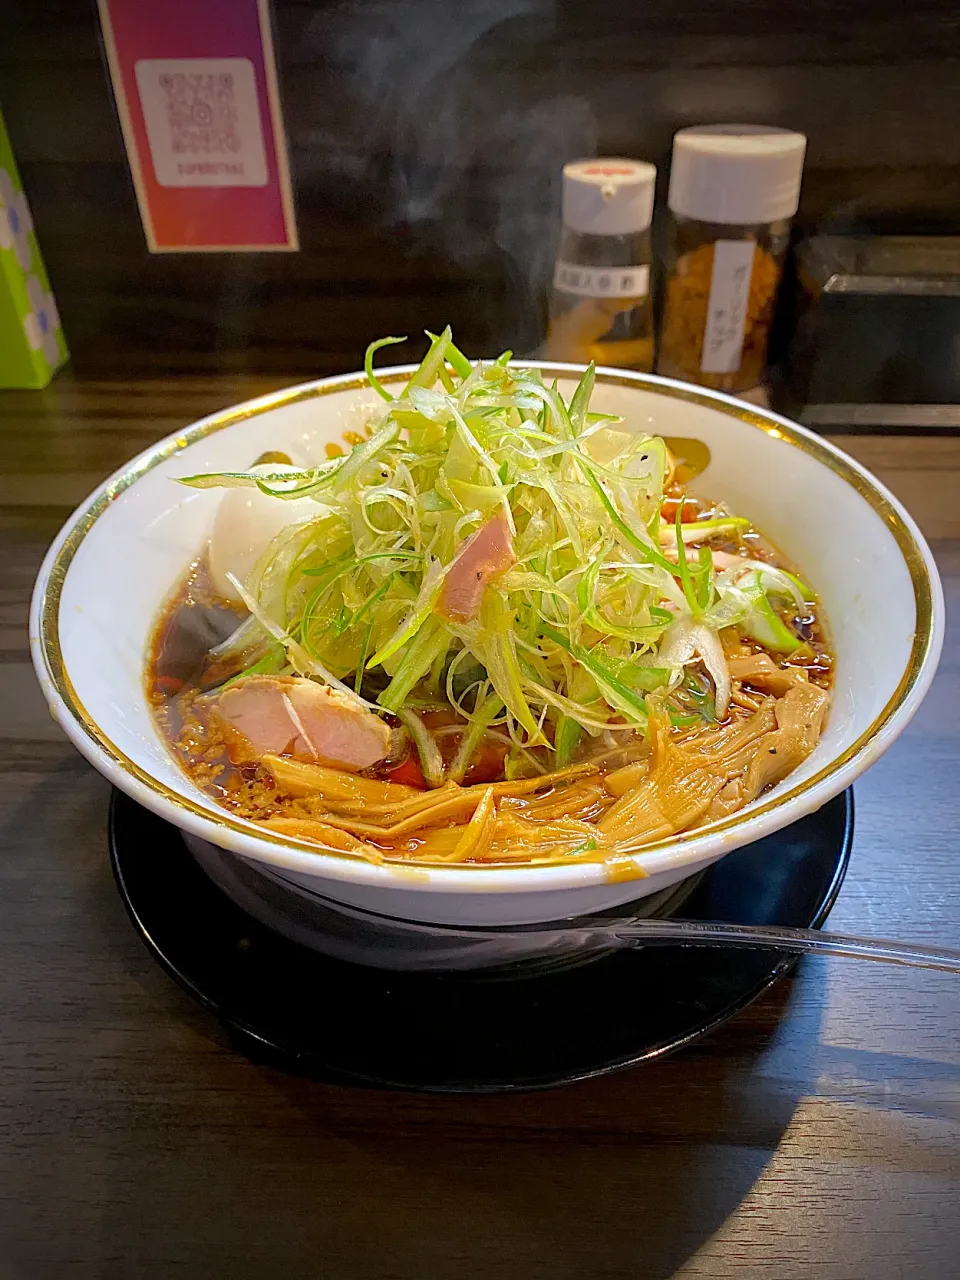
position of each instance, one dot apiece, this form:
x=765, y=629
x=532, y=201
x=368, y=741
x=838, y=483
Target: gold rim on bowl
x=779, y=428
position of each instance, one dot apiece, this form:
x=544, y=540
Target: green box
x=32, y=347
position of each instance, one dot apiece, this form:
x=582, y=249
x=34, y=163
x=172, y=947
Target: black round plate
x=292, y=1007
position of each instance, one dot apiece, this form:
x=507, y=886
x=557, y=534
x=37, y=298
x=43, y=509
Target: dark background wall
x=426, y=142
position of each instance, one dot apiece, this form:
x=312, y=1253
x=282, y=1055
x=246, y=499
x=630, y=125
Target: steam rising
x=467, y=144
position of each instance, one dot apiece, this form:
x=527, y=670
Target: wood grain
x=817, y=1134
x=923, y=472
x=426, y=157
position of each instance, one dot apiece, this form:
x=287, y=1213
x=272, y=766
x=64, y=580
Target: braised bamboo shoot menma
x=495, y=627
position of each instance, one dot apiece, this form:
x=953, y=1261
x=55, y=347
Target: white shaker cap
x=738, y=174
x=608, y=197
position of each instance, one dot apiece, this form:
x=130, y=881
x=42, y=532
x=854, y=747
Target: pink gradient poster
x=196, y=89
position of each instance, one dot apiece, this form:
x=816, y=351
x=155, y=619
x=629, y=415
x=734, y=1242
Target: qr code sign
x=202, y=113
x=202, y=117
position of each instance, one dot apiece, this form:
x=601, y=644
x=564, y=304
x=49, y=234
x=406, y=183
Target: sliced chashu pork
x=482, y=558
x=289, y=715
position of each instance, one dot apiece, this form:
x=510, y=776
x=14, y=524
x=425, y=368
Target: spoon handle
x=804, y=941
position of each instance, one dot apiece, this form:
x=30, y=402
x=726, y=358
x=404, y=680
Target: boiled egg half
x=246, y=523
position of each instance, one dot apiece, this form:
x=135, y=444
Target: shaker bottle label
x=727, y=306
x=602, y=282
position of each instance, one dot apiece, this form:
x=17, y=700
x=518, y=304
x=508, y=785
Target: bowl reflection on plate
x=387, y=942
x=529, y=1025
x=116, y=560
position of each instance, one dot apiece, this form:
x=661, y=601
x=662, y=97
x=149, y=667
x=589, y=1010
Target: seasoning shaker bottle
x=600, y=303
x=733, y=191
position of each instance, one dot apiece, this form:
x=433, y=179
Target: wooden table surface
x=816, y=1134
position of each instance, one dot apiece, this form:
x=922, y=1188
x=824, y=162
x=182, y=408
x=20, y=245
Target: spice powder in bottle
x=733, y=191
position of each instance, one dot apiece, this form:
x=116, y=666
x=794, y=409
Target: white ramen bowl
x=121, y=554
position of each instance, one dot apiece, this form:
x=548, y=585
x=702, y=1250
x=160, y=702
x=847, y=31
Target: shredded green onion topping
x=568, y=640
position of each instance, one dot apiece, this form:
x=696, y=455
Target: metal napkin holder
x=876, y=335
